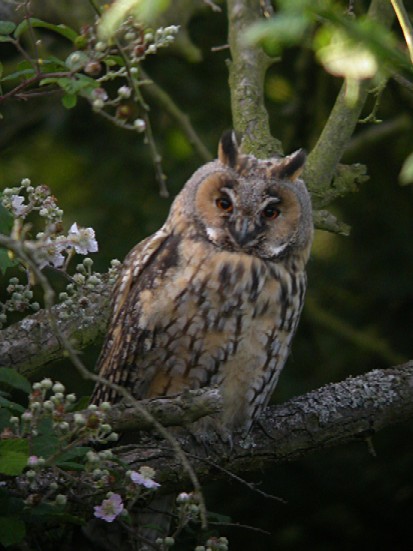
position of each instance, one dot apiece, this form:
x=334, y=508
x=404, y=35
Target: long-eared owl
x=214, y=296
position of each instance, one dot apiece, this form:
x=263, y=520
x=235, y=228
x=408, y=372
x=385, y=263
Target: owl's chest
x=225, y=321
x=223, y=307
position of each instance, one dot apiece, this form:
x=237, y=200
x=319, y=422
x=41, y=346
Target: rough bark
x=335, y=414
x=247, y=70
x=30, y=344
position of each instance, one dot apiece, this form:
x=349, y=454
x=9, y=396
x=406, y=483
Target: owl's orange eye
x=224, y=203
x=270, y=212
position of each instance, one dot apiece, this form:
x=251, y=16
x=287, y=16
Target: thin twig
x=250, y=485
x=33, y=80
x=237, y=525
x=159, y=95
x=27, y=17
x=156, y=157
x=405, y=24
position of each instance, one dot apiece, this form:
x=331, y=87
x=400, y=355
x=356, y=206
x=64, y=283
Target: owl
x=214, y=296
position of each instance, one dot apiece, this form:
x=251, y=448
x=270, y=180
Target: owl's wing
x=127, y=337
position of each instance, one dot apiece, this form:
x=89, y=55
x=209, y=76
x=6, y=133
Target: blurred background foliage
x=359, y=312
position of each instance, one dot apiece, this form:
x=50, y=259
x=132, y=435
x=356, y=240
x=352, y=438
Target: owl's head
x=243, y=204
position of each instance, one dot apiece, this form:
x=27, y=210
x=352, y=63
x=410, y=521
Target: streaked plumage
x=214, y=297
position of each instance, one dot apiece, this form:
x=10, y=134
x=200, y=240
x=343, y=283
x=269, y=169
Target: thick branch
x=323, y=160
x=246, y=79
x=31, y=343
x=177, y=411
x=334, y=414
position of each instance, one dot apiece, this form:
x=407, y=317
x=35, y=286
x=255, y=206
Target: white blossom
x=125, y=92
x=17, y=205
x=83, y=239
x=51, y=255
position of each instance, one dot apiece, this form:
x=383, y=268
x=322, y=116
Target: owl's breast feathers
x=187, y=316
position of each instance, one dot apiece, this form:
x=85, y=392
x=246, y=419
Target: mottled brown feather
x=214, y=297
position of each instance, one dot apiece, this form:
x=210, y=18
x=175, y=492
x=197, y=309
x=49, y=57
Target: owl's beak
x=244, y=231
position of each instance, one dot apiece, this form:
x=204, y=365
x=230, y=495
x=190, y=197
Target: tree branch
x=32, y=342
x=177, y=411
x=323, y=159
x=335, y=414
x=246, y=79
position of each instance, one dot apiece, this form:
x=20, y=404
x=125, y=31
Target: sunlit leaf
x=61, y=29
x=15, y=380
x=145, y=11
x=371, y=34
x=14, y=454
x=406, y=173
x=346, y=58
x=285, y=29
x=12, y=530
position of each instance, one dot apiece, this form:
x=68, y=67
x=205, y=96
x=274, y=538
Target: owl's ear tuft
x=228, y=149
x=293, y=165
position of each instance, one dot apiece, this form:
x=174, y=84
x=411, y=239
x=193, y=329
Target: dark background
x=359, y=314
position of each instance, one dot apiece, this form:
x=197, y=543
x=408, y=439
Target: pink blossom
x=110, y=508
x=143, y=479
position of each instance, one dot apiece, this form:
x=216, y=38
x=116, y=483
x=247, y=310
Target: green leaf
x=81, y=404
x=65, y=460
x=17, y=74
x=10, y=505
x=113, y=60
x=12, y=406
x=12, y=530
x=7, y=27
x=4, y=38
x=44, y=512
x=76, y=60
x=46, y=443
x=11, y=378
x=285, y=29
x=61, y=29
x=145, y=11
x=69, y=101
x=6, y=220
x=70, y=466
x=406, y=173
x=75, y=85
x=75, y=453
x=6, y=261
x=14, y=454
x=4, y=418
x=344, y=57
